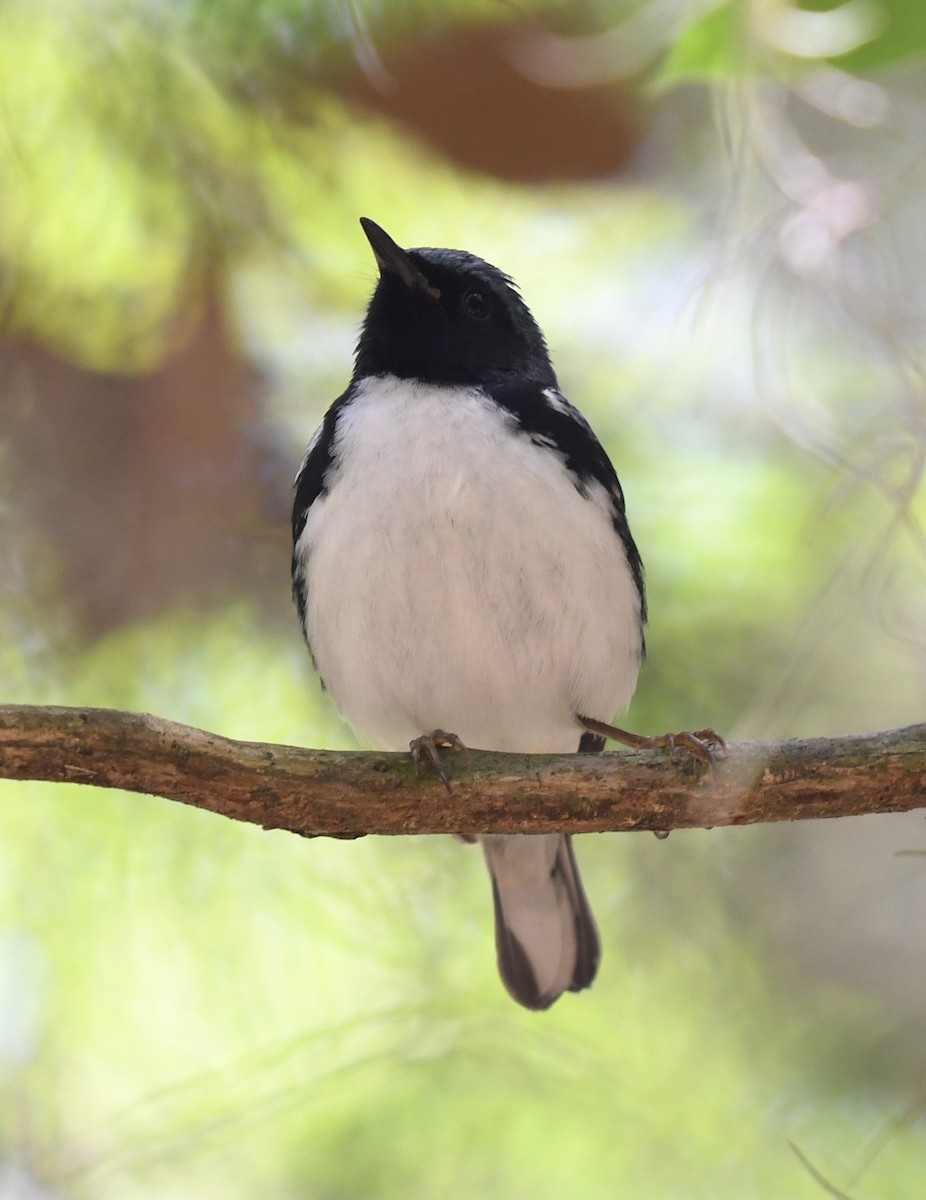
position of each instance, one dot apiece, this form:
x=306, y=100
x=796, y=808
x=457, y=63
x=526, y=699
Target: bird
x=464, y=571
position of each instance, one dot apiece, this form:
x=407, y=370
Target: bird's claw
x=428, y=745
x=704, y=744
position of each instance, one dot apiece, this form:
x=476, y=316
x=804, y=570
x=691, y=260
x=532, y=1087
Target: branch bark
x=350, y=793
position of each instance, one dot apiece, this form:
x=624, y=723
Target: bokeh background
x=717, y=212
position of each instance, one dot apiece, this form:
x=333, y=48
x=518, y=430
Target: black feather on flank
x=312, y=479
x=311, y=483
x=552, y=422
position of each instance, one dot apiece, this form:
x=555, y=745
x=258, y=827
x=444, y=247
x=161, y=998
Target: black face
x=445, y=316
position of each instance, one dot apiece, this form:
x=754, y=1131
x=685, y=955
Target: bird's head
x=445, y=316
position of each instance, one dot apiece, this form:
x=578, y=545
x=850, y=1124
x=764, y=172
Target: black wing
x=311, y=482
x=547, y=417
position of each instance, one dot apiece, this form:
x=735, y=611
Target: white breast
x=458, y=580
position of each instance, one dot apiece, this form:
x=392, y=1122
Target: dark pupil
x=476, y=304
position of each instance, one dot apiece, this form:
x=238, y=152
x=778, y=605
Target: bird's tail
x=545, y=933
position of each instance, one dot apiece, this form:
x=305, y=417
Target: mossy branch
x=349, y=793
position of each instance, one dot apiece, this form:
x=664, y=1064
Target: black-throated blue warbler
x=464, y=570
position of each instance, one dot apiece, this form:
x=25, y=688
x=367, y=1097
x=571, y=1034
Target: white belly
x=457, y=581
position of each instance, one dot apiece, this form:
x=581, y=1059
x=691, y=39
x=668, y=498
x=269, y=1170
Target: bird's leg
x=704, y=744
x=427, y=744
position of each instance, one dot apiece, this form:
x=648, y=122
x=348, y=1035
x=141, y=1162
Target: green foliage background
x=190, y=1007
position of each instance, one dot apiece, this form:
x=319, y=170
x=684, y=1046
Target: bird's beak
x=392, y=259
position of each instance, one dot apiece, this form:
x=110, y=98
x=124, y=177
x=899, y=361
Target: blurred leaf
x=900, y=35
x=736, y=40
x=709, y=49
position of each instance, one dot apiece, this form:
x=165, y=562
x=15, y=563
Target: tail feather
x=588, y=946
x=545, y=934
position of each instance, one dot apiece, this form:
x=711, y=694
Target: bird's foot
x=704, y=744
x=428, y=744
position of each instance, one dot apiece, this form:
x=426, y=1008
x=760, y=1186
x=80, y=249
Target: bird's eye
x=476, y=304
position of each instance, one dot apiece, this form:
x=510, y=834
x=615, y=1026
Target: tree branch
x=349, y=793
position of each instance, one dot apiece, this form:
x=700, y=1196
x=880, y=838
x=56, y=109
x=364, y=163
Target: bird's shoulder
x=542, y=413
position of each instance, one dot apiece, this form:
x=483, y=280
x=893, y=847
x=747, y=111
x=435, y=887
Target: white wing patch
x=558, y=402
